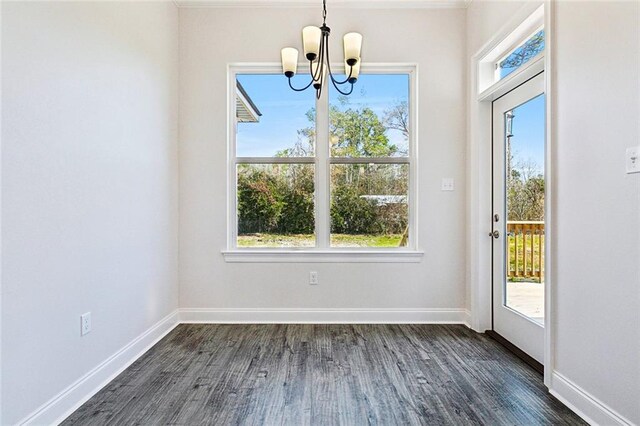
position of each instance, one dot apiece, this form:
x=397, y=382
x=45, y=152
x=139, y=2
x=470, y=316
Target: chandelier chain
x=324, y=12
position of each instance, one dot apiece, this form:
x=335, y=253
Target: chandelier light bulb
x=289, y=61
x=352, y=47
x=311, y=41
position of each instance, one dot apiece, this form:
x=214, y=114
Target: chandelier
x=316, y=49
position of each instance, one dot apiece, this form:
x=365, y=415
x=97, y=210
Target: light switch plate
x=632, y=160
x=448, y=184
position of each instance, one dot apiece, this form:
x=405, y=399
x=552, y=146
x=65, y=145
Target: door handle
x=494, y=234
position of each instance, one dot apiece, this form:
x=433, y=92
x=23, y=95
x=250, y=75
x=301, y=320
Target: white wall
x=212, y=38
x=596, y=207
x=89, y=195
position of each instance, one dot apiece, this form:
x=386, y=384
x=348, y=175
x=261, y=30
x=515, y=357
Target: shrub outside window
x=332, y=173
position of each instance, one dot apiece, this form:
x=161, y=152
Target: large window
x=329, y=173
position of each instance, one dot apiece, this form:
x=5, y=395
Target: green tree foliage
x=297, y=216
x=352, y=214
x=358, y=132
x=525, y=191
x=276, y=198
x=260, y=202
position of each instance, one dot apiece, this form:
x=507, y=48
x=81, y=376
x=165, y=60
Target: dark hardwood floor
x=325, y=375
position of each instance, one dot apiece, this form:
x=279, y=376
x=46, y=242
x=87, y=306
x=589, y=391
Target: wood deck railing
x=525, y=256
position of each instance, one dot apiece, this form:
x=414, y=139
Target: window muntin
x=521, y=55
x=278, y=170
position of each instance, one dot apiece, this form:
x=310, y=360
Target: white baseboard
x=66, y=402
x=325, y=316
x=592, y=410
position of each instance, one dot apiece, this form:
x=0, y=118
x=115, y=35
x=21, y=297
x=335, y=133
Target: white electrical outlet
x=313, y=278
x=633, y=159
x=447, y=184
x=85, y=323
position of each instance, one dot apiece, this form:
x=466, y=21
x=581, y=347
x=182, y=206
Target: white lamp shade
x=311, y=41
x=289, y=60
x=355, y=72
x=352, y=45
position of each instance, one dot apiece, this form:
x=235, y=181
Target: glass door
x=518, y=222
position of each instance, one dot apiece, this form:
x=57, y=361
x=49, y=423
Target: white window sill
x=322, y=256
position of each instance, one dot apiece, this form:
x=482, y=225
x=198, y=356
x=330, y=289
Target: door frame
x=479, y=179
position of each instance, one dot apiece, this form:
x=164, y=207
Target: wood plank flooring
x=333, y=374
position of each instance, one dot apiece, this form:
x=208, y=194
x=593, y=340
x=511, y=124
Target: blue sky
x=283, y=110
x=527, y=142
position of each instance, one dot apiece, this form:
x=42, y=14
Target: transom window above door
x=520, y=55
x=329, y=174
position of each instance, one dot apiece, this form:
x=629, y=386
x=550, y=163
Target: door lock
x=494, y=234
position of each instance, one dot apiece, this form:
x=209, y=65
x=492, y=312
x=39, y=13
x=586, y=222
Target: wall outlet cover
x=85, y=323
x=448, y=184
x=632, y=160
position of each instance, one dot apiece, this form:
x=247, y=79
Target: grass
x=308, y=240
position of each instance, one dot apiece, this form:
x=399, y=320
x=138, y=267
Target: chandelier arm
x=333, y=80
x=318, y=74
x=340, y=91
x=300, y=90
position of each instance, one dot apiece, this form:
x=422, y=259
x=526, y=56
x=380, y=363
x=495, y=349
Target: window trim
x=498, y=49
x=322, y=252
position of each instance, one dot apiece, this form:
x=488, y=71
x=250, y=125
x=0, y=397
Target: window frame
x=322, y=160
x=487, y=82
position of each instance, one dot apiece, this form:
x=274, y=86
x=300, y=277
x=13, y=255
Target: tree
x=358, y=132
x=397, y=118
x=525, y=191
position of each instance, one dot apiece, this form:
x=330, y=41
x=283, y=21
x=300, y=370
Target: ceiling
x=369, y=4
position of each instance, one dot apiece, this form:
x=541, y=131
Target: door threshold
x=528, y=359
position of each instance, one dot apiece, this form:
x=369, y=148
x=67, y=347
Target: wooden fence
x=525, y=256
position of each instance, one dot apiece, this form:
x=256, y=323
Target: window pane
x=525, y=188
x=522, y=54
x=374, y=120
x=273, y=120
x=276, y=205
x=369, y=205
